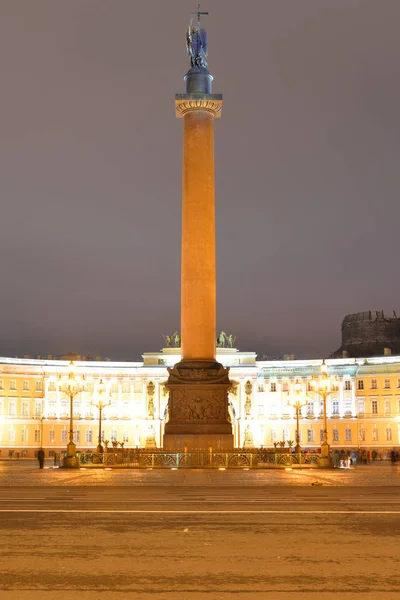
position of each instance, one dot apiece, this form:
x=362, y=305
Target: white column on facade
x=58, y=398
x=354, y=407
x=280, y=397
x=157, y=400
x=144, y=399
x=132, y=398
x=341, y=397
x=119, y=401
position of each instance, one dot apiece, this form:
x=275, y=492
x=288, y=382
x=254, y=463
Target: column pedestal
x=198, y=407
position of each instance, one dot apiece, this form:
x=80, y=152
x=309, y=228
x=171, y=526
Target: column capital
x=211, y=103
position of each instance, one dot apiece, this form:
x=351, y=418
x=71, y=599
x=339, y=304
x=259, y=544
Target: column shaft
x=198, y=296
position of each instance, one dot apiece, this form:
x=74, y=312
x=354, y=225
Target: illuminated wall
x=363, y=413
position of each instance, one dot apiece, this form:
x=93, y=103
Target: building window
x=273, y=435
x=374, y=407
x=114, y=388
x=25, y=385
x=398, y=383
x=77, y=408
x=77, y=436
x=374, y=384
x=310, y=435
x=38, y=409
x=37, y=436
x=52, y=436
x=64, y=435
x=89, y=436
x=12, y=408
x=13, y=384
x=374, y=433
x=260, y=387
x=113, y=435
x=310, y=409
x=309, y=387
x=321, y=435
x=388, y=407
x=347, y=385
x=2, y=384
x=362, y=434
x=388, y=433
x=387, y=384
x=24, y=435
x=360, y=384
x=335, y=435
x=273, y=387
x=64, y=408
x=285, y=386
x=361, y=406
x=126, y=408
x=38, y=386
x=126, y=387
x=348, y=434
x=335, y=407
x=347, y=406
x=11, y=435
x=88, y=387
x=25, y=409
x=261, y=409
x=125, y=437
x=52, y=386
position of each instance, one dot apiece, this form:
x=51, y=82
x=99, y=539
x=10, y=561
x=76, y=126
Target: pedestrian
x=40, y=457
x=364, y=457
x=55, y=458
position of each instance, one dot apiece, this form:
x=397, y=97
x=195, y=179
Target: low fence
x=199, y=459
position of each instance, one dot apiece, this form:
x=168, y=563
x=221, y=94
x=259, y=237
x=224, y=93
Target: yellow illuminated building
x=363, y=413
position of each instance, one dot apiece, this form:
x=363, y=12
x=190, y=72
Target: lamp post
x=100, y=400
x=71, y=387
x=324, y=385
x=297, y=402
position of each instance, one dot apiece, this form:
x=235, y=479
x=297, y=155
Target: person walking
x=40, y=457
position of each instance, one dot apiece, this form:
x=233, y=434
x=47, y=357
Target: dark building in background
x=369, y=333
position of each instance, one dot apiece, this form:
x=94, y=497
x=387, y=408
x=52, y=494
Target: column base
x=198, y=407
x=325, y=449
x=71, y=462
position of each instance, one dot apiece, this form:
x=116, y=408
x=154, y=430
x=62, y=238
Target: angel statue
x=196, y=45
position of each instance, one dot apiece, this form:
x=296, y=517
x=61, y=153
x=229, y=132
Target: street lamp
x=324, y=385
x=297, y=401
x=100, y=400
x=71, y=387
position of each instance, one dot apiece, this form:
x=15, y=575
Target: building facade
x=363, y=413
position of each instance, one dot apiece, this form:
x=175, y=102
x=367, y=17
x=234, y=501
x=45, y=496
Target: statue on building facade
x=248, y=390
x=150, y=404
x=225, y=340
x=172, y=341
x=248, y=438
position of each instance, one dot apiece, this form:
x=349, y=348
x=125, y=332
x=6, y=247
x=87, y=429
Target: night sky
x=307, y=171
